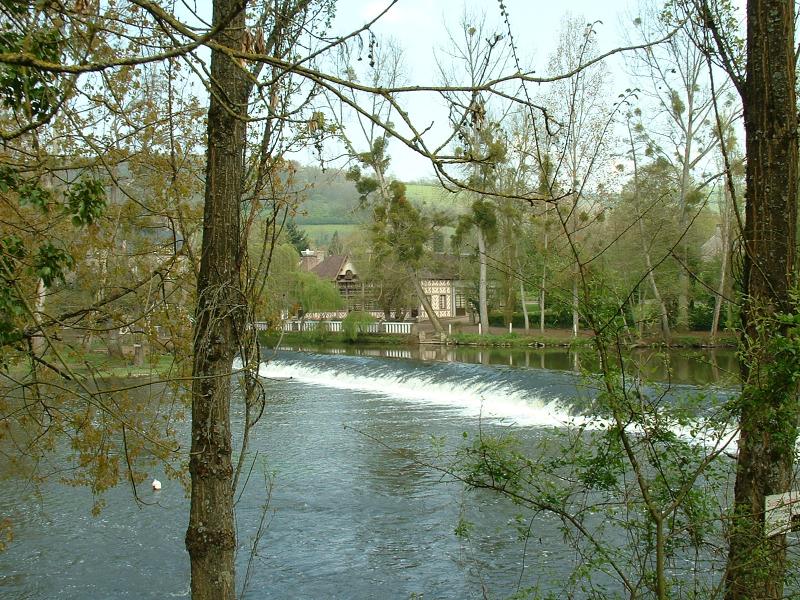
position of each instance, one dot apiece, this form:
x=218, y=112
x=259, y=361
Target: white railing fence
x=387, y=327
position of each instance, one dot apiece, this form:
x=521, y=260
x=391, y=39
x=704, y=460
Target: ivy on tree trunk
x=769, y=403
x=211, y=537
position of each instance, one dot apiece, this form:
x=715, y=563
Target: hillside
x=332, y=200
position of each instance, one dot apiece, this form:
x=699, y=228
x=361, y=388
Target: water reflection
x=718, y=366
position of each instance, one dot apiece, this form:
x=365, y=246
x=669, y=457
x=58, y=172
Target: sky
x=420, y=28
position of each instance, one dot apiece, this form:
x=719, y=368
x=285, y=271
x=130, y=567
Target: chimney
x=311, y=258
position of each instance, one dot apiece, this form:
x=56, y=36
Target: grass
x=556, y=338
x=100, y=364
x=694, y=339
x=321, y=235
x=269, y=339
x=436, y=197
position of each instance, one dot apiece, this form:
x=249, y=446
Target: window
x=443, y=301
x=460, y=308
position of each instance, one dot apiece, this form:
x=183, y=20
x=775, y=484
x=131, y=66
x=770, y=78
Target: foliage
x=111, y=115
x=26, y=88
x=355, y=324
x=617, y=515
x=335, y=247
x=34, y=256
x=315, y=294
x=297, y=237
x=292, y=290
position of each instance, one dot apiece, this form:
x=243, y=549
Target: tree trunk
x=39, y=342
x=662, y=307
x=211, y=537
x=524, y=306
x=113, y=342
x=509, y=277
x=426, y=305
x=575, y=304
x=769, y=404
x=727, y=253
x=682, y=317
x=723, y=269
x=484, y=312
x=544, y=283
x=642, y=309
x=511, y=300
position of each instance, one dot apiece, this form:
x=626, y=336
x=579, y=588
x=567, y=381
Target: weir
x=508, y=396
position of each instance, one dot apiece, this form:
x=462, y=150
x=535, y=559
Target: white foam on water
x=476, y=398
x=484, y=399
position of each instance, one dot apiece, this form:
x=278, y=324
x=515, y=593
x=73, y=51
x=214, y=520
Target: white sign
x=778, y=512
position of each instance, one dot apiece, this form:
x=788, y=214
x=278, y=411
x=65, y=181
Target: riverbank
x=466, y=334
x=98, y=364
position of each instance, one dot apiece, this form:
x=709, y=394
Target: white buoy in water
x=156, y=485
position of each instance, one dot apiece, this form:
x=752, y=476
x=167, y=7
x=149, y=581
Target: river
x=353, y=513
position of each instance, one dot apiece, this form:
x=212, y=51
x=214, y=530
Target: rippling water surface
x=353, y=513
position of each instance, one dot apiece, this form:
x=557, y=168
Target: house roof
x=330, y=267
x=713, y=246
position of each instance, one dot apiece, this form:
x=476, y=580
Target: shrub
x=355, y=324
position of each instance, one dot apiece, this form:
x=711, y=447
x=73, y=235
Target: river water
x=353, y=513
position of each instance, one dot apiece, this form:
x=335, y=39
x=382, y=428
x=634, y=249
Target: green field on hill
x=320, y=234
x=436, y=197
x=331, y=204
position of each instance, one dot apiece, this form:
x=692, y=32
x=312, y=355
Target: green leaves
x=483, y=216
x=86, y=200
x=8, y=178
x=34, y=257
x=604, y=470
x=27, y=89
x=356, y=323
x=50, y=263
x=12, y=251
x=32, y=193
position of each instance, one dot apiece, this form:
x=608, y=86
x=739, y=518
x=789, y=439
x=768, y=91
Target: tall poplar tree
x=768, y=407
x=769, y=402
x=211, y=536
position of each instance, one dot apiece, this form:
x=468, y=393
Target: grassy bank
x=552, y=339
x=100, y=365
x=269, y=339
x=563, y=338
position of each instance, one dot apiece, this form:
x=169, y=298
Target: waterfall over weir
x=525, y=397
x=502, y=395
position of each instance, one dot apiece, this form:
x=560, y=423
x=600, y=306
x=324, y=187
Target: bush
x=320, y=334
x=355, y=324
x=553, y=318
x=498, y=320
x=701, y=314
